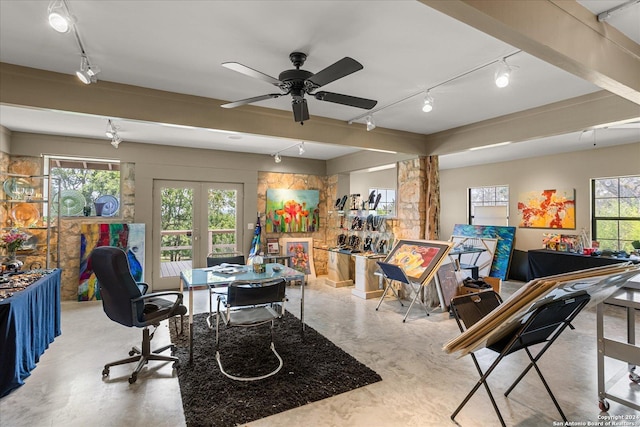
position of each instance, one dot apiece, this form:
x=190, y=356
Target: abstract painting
x=292, y=211
x=482, y=260
x=418, y=258
x=128, y=237
x=301, y=252
x=547, y=209
x=505, y=236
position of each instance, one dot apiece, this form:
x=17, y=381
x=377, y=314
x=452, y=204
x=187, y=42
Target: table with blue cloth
x=29, y=322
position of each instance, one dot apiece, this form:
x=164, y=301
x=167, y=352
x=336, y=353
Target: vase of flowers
x=11, y=241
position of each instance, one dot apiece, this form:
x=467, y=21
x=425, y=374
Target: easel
x=392, y=272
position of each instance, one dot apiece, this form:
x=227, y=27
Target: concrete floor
x=421, y=385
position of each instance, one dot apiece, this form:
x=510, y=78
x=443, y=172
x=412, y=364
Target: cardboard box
x=495, y=282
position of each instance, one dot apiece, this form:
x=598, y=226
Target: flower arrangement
x=13, y=239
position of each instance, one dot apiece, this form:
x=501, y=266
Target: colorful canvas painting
x=292, y=211
x=482, y=260
x=418, y=258
x=129, y=237
x=547, y=209
x=504, y=247
x=301, y=252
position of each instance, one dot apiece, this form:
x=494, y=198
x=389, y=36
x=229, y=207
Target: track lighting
x=503, y=74
x=428, y=103
x=116, y=141
x=86, y=73
x=371, y=125
x=59, y=17
x=277, y=158
x=111, y=129
x=301, y=149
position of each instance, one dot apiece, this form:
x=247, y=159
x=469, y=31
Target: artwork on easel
x=506, y=239
x=128, y=237
x=301, y=252
x=484, y=259
x=419, y=258
x=448, y=278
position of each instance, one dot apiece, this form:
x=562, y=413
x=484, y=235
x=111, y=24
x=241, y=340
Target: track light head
x=427, y=106
x=371, y=125
x=59, y=17
x=277, y=158
x=503, y=74
x=116, y=141
x=87, y=73
x=111, y=129
x=301, y=149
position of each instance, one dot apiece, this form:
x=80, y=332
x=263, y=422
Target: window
x=387, y=203
x=488, y=196
x=84, y=185
x=615, y=208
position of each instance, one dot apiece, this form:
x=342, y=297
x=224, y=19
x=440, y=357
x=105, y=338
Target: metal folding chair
x=543, y=325
x=391, y=273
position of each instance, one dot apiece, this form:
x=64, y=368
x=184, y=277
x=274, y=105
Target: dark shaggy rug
x=314, y=369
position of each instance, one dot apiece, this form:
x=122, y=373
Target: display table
x=29, y=322
x=544, y=262
x=339, y=271
x=368, y=284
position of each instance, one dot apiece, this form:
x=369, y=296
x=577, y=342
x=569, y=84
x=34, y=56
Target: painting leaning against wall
x=128, y=237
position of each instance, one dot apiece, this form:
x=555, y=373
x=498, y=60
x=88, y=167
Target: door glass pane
x=222, y=233
x=176, y=248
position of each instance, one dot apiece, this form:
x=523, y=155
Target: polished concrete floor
x=421, y=385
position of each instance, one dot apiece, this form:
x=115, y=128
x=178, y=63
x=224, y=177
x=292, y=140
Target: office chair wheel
x=105, y=372
x=133, y=378
x=603, y=405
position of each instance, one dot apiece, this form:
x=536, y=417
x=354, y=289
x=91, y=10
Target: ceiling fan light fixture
x=427, y=105
x=503, y=74
x=371, y=124
x=59, y=18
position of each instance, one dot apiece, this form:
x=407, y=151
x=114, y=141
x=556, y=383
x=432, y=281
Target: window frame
x=470, y=205
x=618, y=219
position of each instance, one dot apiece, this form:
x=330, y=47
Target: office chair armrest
x=151, y=319
x=144, y=287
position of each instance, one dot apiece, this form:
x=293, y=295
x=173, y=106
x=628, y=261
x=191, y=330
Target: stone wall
x=271, y=180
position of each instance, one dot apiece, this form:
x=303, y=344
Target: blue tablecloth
x=29, y=322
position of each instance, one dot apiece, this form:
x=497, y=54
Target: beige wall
x=570, y=170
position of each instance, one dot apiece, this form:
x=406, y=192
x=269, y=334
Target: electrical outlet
x=251, y=226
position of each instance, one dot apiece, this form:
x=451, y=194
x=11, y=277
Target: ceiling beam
x=570, y=115
x=35, y=88
x=560, y=32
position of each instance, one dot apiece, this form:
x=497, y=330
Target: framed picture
x=292, y=211
x=448, y=282
x=482, y=260
x=419, y=259
x=301, y=252
x=273, y=246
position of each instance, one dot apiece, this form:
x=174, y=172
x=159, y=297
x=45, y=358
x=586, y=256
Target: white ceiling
x=404, y=46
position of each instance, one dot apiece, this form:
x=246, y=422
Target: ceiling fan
x=297, y=83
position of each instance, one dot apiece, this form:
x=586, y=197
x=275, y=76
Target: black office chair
x=542, y=325
x=125, y=302
x=249, y=304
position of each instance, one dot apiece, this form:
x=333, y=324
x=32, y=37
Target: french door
x=190, y=220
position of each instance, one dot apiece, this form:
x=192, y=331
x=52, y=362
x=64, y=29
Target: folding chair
x=543, y=325
x=391, y=273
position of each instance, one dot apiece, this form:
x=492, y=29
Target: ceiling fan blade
x=300, y=110
x=251, y=100
x=243, y=69
x=352, y=101
x=336, y=71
